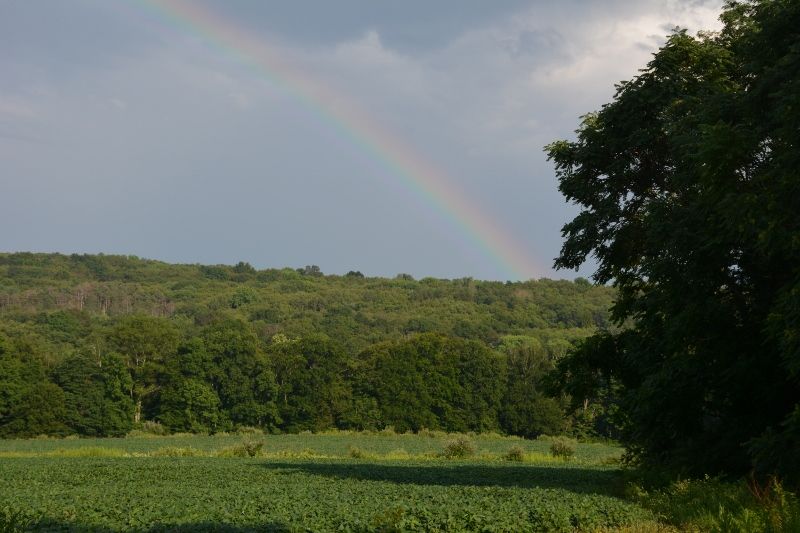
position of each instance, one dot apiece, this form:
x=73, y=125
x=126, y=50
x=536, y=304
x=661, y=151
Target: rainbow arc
x=428, y=183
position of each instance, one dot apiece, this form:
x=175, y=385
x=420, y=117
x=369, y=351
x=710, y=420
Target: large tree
x=145, y=343
x=241, y=375
x=96, y=399
x=689, y=191
x=527, y=410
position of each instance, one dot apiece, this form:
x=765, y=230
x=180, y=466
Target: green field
x=310, y=483
x=333, y=444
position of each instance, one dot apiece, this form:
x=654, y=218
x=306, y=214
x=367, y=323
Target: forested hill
x=173, y=332
x=351, y=309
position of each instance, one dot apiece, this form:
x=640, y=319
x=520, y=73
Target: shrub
x=515, y=453
x=397, y=453
x=235, y=451
x=247, y=448
x=563, y=447
x=252, y=447
x=355, y=452
x=459, y=448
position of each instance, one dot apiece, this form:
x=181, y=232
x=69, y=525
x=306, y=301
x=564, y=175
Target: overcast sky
x=125, y=131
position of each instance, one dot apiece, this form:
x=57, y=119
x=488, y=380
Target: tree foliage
x=122, y=341
x=689, y=194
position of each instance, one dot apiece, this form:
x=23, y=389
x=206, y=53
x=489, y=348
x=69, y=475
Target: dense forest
x=99, y=345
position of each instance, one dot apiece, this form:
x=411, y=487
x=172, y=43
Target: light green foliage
x=356, y=452
x=563, y=447
x=356, y=311
x=252, y=447
x=515, y=453
x=246, y=448
x=460, y=447
x=243, y=296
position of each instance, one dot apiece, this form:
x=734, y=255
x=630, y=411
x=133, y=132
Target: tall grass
x=723, y=507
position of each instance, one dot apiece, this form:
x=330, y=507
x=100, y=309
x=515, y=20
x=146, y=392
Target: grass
x=329, y=444
x=716, y=506
x=345, y=481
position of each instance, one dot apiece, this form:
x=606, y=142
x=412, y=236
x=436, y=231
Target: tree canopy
x=104, y=344
x=689, y=191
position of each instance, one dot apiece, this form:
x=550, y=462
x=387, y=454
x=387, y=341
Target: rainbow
x=427, y=182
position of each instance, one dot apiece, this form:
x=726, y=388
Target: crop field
x=337, y=482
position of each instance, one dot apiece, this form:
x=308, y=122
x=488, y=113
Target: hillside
x=203, y=348
x=352, y=309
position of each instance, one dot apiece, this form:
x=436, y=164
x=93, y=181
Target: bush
x=515, y=453
x=563, y=447
x=251, y=447
x=397, y=453
x=247, y=448
x=459, y=448
x=355, y=452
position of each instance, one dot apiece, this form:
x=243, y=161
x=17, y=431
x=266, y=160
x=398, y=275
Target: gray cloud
x=120, y=134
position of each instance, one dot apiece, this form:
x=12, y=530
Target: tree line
x=222, y=378
x=99, y=345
